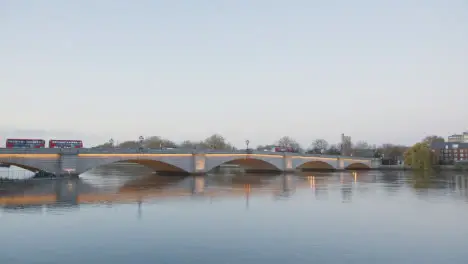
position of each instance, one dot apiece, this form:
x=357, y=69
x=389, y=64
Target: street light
x=141, y=139
x=247, y=144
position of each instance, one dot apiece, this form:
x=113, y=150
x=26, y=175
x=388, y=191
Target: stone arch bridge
x=78, y=161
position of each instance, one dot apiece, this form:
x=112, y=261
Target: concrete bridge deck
x=176, y=161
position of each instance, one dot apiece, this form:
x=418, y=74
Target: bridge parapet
x=29, y=151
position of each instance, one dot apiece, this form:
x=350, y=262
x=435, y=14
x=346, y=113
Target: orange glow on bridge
x=30, y=156
x=107, y=155
x=246, y=155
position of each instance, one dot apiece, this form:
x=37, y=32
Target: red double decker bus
x=285, y=149
x=25, y=143
x=59, y=143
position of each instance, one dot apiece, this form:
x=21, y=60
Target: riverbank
x=457, y=167
x=393, y=167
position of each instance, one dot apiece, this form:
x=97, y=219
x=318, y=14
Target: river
x=129, y=215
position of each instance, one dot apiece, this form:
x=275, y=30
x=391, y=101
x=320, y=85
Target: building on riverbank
x=450, y=152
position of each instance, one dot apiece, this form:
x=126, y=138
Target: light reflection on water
x=127, y=215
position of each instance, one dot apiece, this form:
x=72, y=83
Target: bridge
x=74, y=162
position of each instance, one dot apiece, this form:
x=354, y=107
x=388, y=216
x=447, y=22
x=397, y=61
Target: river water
x=129, y=215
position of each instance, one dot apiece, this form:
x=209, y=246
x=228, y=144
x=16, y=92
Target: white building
x=461, y=138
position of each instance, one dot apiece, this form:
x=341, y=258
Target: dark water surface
x=131, y=216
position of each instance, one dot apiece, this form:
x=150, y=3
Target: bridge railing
x=29, y=151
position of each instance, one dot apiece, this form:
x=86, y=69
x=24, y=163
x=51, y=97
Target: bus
x=285, y=149
x=25, y=143
x=56, y=143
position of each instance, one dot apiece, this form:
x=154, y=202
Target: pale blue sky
x=381, y=71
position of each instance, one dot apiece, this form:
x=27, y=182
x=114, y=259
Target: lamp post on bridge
x=247, y=142
x=141, y=139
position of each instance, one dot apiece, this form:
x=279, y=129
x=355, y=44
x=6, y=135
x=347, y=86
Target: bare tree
x=333, y=150
x=319, y=145
x=361, y=145
x=345, y=145
x=288, y=142
x=391, y=151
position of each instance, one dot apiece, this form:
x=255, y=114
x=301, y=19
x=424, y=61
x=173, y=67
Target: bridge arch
x=23, y=166
x=248, y=162
x=357, y=166
x=315, y=165
x=39, y=168
x=156, y=165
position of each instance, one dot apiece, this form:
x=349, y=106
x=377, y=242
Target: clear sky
x=381, y=71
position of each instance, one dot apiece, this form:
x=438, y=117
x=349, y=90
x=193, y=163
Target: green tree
x=106, y=145
x=129, y=144
x=217, y=141
x=188, y=144
x=419, y=157
x=155, y=142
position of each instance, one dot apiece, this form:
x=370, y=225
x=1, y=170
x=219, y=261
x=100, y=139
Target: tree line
x=215, y=141
x=318, y=146
x=418, y=156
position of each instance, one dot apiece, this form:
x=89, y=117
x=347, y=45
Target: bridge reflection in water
x=52, y=195
x=76, y=191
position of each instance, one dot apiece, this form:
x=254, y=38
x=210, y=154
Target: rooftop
x=441, y=145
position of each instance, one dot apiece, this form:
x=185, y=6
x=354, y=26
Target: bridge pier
x=198, y=185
